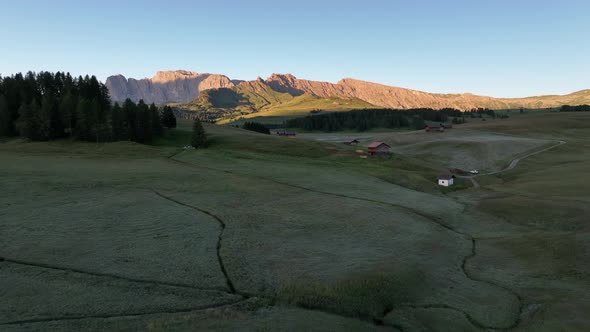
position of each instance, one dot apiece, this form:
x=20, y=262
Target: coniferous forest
x=362, y=120
x=45, y=106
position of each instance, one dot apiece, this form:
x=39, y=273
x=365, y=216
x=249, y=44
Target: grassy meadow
x=261, y=232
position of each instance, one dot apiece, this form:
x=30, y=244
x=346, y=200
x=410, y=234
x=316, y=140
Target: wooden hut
x=378, y=148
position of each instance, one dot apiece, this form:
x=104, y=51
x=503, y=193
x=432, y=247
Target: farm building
x=446, y=180
x=353, y=142
x=378, y=148
x=439, y=128
x=286, y=133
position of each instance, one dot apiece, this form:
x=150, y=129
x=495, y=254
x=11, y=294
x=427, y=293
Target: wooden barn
x=378, y=148
x=353, y=142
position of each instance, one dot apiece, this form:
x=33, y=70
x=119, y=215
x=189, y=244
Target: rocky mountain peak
x=179, y=86
x=167, y=76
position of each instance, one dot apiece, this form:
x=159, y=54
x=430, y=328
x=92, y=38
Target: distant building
x=353, y=142
x=378, y=148
x=446, y=180
x=286, y=133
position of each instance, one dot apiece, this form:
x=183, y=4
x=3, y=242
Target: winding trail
x=513, y=163
x=432, y=219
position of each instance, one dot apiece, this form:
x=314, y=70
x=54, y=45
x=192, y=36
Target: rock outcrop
x=179, y=86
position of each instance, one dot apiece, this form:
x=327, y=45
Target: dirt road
x=510, y=166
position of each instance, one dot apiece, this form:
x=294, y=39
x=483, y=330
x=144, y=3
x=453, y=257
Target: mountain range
x=285, y=91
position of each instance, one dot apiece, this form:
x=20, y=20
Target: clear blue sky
x=499, y=48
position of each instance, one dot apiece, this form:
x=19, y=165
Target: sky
x=498, y=48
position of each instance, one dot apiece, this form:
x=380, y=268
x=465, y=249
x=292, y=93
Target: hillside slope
x=400, y=98
x=258, y=97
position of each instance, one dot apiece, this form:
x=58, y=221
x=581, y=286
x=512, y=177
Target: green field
x=265, y=233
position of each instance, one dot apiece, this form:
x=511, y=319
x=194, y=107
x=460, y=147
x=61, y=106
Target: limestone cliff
x=178, y=86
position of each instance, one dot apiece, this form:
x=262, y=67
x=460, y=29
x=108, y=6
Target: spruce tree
x=118, y=123
x=143, y=128
x=67, y=110
x=130, y=114
x=44, y=117
x=26, y=121
x=96, y=121
x=5, y=118
x=155, y=120
x=83, y=123
x=199, y=139
x=168, y=118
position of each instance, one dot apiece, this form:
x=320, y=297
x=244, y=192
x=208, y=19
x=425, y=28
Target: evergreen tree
x=83, y=123
x=44, y=117
x=258, y=127
x=418, y=123
x=26, y=121
x=67, y=110
x=168, y=118
x=143, y=128
x=95, y=123
x=155, y=120
x=118, y=123
x=31, y=124
x=51, y=105
x=130, y=114
x=5, y=118
x=199, y=139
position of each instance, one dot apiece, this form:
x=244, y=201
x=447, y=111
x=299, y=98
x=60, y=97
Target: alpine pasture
x=260, y=232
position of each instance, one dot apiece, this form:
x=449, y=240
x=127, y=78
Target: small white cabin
x=446, y=180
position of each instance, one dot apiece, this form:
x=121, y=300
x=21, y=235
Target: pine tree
x=155, y=120
x=30, y=123
x=199, y=139
x=96, y=121
x=44, y=118
x=130, y=114
x=5, y=118
x=143, y=128
x=168, y=118
x=118, y=123
x=67, y=110
x=26, y=121
x=83, y=123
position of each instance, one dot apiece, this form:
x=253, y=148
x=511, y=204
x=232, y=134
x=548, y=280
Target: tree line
x=366, y=119
x=47, y=106
x=257, y=127
x=580, y=108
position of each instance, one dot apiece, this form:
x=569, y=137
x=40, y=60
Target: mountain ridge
x=183, y=87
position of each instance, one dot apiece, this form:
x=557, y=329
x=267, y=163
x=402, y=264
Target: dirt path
x=515, y=162
x=510, y=166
